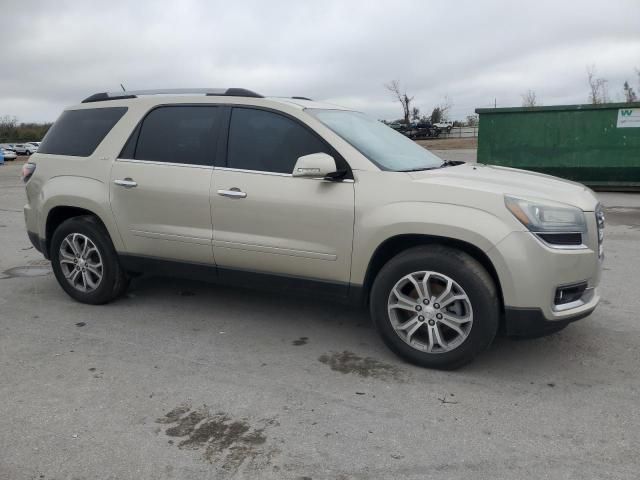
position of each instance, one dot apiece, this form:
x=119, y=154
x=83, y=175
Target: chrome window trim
x=277, y=174
x=171, y=164
x=259, y=172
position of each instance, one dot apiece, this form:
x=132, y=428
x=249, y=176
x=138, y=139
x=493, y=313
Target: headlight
x=556, y=224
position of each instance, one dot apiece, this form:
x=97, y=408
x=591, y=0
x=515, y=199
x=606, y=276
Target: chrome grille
x=600, y=224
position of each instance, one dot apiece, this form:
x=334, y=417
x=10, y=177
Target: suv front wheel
x=436, y=307
x=85, y=263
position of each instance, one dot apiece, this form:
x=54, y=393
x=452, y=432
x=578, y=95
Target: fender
x=87, y=193
x=443, y=220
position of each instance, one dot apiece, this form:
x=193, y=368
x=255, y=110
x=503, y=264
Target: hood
x=511, y=181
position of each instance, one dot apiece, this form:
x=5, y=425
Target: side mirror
x=314, y=165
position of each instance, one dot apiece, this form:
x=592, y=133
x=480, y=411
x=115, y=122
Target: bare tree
x=415, y=114
x=629, y=95
x=8, y=128
x=597, y=87
x=445, y=107
x=529, y=99
x=402, y=97
x=472, y=120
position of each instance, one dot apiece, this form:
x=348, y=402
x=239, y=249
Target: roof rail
x=228, y=92
x=302, y=98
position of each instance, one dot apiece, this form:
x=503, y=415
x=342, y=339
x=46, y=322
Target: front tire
x=434, y=306
x=85, y=262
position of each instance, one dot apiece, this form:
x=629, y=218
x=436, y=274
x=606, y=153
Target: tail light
x=27, y=171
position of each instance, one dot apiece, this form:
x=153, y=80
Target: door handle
x=126, y=183
x=232, y=193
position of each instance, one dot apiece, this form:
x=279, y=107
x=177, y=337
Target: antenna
x=123, y=89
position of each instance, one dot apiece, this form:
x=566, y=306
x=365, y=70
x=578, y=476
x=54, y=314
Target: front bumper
x=530, y=272
x=520, y=322
x=38, y=243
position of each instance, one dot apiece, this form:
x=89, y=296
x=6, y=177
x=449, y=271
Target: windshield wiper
x=451, y=163
x=445, y=163
x=419, y=169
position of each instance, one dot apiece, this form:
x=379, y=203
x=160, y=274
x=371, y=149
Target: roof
x=188, y=93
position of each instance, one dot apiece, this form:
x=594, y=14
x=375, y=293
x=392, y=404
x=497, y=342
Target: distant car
x=35, y=144
x=7, y=146
x=444, y=126
x=25, y=148
x=8, y=154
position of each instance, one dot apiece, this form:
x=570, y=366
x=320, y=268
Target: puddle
x=348, y=362
x=27, y=271
x=227, y=442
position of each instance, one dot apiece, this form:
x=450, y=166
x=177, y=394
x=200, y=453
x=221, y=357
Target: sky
x=476, y=53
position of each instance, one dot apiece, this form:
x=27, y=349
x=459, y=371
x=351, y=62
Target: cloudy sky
x=56, y=53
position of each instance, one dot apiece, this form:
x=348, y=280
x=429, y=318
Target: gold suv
x=301, y=196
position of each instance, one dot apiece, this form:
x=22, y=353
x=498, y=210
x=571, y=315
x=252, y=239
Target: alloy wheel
x=430, y=312
x=81, y=262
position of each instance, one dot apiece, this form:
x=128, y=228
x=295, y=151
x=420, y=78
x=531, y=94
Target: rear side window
x=176, y=134
x=268, y=142
x=79, y=132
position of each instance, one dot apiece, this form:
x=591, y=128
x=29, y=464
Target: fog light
x=569, y=293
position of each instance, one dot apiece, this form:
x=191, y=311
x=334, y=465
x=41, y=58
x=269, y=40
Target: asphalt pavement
x=187, y=380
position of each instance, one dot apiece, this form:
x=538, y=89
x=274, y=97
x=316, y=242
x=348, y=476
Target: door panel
x=284, y=225
x=167, y=214
x=160, y=186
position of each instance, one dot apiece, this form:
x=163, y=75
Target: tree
x=529, y=99
x=597, y=87
x=472, y=120
x=436, y=115
x=444, y=107
x=629, y=95
x=402, y=97
x=415, y=114
x=13, y=132
x=8, y=128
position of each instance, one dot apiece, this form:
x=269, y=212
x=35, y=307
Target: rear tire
x=464, y=277
x=99, y=278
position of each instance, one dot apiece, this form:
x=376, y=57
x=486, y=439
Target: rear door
x=265, y=220
x=160, y=184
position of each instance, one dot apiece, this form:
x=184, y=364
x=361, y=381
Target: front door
x=160, y=185
x=265, y=220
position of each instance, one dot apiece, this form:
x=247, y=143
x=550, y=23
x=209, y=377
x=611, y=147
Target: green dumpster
x=598, y=145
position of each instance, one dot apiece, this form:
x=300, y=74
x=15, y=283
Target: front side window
x=384, y=146
x=79, y=132
x=268, y=142
x=176, y=134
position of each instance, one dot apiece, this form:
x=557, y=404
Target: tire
x=466, y=274
x=114, y=280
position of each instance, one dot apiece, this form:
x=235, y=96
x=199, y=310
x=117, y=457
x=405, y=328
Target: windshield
x=385, y=147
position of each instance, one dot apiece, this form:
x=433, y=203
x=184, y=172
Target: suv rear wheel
x=434, y=306
x=85, y=263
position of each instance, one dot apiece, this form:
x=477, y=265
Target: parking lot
x=189, y=380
